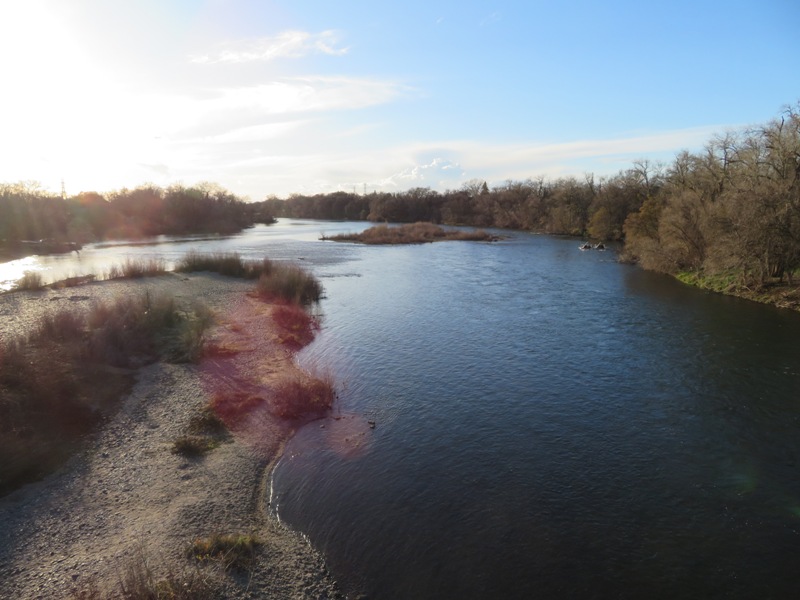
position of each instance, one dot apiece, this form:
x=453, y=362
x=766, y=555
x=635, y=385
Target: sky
x=296, y=96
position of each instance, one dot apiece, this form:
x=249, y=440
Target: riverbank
x=127, y=507
x=777, y=293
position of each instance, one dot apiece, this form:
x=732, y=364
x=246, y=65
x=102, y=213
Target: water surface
x=548, y=423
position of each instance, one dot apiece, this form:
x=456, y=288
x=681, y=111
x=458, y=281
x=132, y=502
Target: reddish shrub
x=303, y=398
x=232, y=408
x=297, y=326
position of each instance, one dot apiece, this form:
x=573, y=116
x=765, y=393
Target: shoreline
x=777, y=294
x=125, y=499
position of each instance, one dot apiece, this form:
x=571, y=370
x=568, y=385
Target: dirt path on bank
x=127, y=499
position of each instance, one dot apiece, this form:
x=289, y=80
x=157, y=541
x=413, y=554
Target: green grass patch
x=718, y=282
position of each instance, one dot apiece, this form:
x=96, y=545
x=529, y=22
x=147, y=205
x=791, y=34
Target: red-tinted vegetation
x=297, y=327
x=303, y=397
x=233, y=407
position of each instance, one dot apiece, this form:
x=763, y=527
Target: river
x=526, y=420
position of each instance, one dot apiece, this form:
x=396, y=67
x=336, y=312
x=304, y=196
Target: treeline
x=732, y=208
x=28, y=213
x=563, y=206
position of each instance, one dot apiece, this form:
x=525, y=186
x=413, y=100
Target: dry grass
x=413, y=233
x=194, y=445
x=140, y=581
x=276, y=281
x=303, y=397
x=31, y=280
x=206, y=432
x=57, y=383
x=297, y=327
x=289, y=283
x=224, y=263
x=207, y=423
x=233, y=551
x=137, y=268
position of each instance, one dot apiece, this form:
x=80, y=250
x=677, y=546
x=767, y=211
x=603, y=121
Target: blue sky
x=275, y=97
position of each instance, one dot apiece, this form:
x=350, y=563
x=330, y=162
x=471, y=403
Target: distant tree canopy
x=28, y=213
x=732, y=208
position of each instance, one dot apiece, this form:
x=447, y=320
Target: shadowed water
x=548, y=424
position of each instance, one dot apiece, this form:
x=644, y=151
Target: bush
x=290, y=283
x=308, y=397
x=31, y=280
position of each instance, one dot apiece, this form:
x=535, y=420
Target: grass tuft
x=233, y=551
x=142, y=267
x=140, y=582
x=297, y=397
x=31, y=280
x=224, y=263
x=289, y=283
x=194, y=445
x=207, y=423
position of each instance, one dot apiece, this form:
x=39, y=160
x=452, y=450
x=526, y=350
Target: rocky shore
x=127, y=502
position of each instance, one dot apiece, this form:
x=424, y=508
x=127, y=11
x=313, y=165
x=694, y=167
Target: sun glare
x=55, y=115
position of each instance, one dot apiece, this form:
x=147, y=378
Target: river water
x=526, y=420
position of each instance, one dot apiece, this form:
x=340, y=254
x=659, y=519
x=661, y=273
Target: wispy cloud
x=288, y=44
x=489, y=19
x=437, y=173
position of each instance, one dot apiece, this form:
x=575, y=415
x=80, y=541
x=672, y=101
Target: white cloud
x=289, y=44
x=437, y=173
x=447, y=165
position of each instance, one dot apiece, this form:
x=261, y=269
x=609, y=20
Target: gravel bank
x=126, y=497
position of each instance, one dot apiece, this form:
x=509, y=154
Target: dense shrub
x=298, y=397
x=290, y=283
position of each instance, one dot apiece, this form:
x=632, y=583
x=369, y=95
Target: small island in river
x=412, y=233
